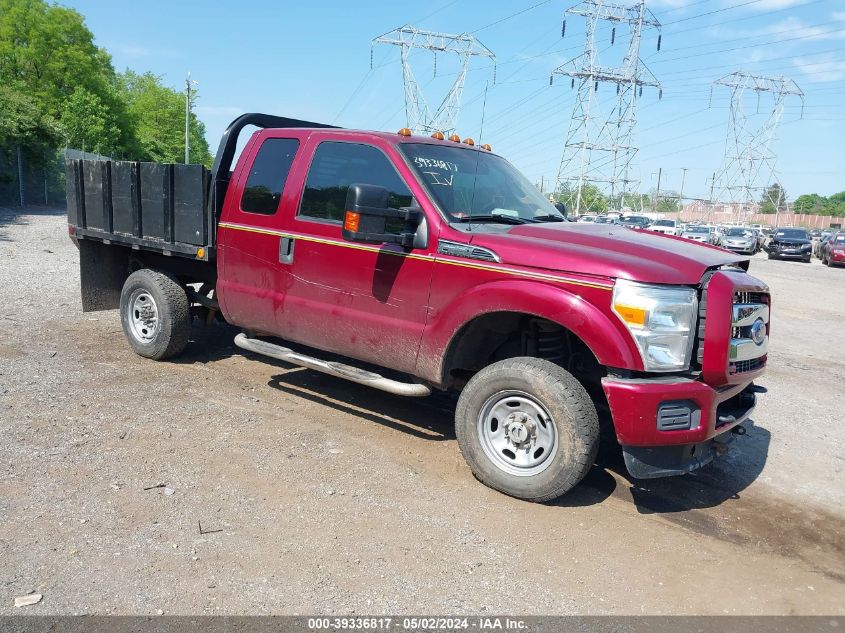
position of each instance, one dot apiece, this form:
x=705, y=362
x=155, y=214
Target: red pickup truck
x=433, y=264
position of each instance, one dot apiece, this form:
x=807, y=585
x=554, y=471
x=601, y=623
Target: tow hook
x=738, y=430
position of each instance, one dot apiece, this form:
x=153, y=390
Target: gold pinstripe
x=438, y=260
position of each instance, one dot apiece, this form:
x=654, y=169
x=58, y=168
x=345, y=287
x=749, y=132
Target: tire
x=155, y=314
x=550, y=403
x=826, y=261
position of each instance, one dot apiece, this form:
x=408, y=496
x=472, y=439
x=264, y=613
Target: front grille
x=746, y=355
x=746, y=365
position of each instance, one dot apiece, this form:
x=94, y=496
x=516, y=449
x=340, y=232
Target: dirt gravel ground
x=290, y=492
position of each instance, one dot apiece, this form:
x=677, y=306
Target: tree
x=88, y=124
x=158, y=114
x=814, y=204
x=23, y=123
x=592, y=199
x=48, y=54
x=773, y=199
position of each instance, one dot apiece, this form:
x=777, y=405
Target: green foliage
x=57, y=88
x=88, y=124
x=773, y=199
x=158, y=114
x=592, y=199
x=814, y=204
x=23, y=122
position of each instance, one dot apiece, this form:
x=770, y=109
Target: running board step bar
x=339, y=370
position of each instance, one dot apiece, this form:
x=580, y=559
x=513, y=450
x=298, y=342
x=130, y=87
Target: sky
x=312, y=60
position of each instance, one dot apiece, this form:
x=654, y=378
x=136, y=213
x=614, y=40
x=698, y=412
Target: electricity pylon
x=465, y=46
x=600, y=149
x=748, y=166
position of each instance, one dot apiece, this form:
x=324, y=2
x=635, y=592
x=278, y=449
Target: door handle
x=286, y=250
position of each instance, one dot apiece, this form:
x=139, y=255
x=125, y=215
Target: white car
x=667, y=227
x=587, y=218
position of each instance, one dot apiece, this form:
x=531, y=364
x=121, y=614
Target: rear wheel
x=155, y=314
x=527, y=428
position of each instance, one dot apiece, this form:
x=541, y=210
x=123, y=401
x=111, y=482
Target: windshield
x=635, y=219
x=739, y=233
x=467, y=183
x=665, y=223
x=698, y=229
x=794, y=234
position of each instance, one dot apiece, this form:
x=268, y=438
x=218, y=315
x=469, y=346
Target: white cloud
x=770, y=5
x=793, y=27
x=821, y=68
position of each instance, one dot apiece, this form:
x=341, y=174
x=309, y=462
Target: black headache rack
x=168, y=208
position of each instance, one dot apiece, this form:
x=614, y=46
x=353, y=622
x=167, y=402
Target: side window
x=268, y=174
x=338, y=165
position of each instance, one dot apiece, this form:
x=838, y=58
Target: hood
x=607, y=251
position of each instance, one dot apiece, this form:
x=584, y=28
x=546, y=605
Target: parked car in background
x=815, y=234
x=790, y=243
x=699, y=233
x=819, y=243
x=667, y=227
x=587, y=217
x=833, y=251
x=635, y=222
x=740, y=240
x=603, y=219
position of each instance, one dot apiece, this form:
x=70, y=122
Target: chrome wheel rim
x=142, y=316
x=517, y=433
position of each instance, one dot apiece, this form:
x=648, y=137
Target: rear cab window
x=267, y=175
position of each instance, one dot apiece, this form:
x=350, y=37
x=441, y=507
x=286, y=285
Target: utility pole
x=189, y=83
x=681, y=194
x=657, y=195
x=600, y=149
x=417, y=114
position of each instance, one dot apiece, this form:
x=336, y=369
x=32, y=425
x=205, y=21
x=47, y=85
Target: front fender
x=586, y=314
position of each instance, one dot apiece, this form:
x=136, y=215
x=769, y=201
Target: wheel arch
x=472, y=320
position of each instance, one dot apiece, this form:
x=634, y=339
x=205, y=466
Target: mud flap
x=103, y=269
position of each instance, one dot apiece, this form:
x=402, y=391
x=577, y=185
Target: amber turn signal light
x=200, y=253
x=455, y=138
x=352, y=221
x=404, y=132
x=438, y=136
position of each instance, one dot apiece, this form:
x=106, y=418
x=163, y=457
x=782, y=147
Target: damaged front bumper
x=675, y=426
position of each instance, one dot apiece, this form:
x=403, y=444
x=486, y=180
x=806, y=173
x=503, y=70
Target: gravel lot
x=290, y=492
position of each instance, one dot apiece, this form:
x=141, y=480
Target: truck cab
x=435, y=260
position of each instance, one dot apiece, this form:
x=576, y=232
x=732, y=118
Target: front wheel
x=155, y=314
x=527, y=428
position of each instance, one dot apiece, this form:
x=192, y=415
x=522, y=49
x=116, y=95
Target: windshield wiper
x=549, y=218
x=495, y=219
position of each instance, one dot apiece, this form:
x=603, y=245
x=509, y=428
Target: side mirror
x=367, y=215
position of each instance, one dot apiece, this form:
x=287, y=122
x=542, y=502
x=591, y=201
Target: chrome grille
x=747, y=350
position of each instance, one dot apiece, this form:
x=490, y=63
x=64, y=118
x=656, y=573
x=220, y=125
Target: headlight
x=806, y=247
x=662, y=321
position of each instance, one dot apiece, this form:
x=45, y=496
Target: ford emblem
x=758, y=332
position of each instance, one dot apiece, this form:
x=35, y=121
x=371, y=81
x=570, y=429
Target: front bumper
x=780, y=254
x=650, y=452
x=745, y=249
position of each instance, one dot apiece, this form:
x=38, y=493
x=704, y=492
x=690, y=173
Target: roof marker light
x=469, y=141
x=455, y=138
x=487, y=147
x=438, y=136
x=404, y=132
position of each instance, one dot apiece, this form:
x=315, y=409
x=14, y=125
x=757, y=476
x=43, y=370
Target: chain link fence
x=35, y=178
